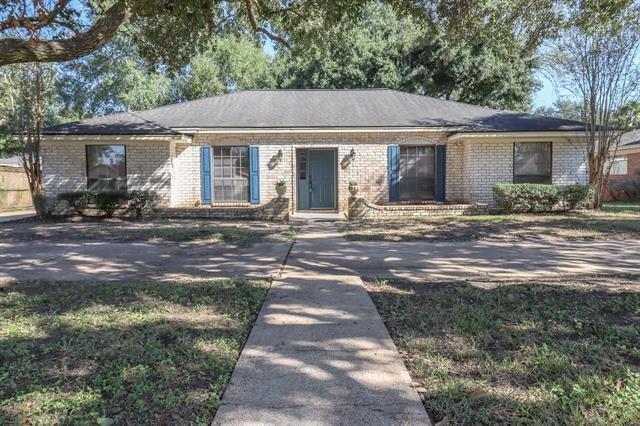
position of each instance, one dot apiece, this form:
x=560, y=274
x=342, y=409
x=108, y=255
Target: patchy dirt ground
x=562, y=349
x=153, y=231
x=593, y=226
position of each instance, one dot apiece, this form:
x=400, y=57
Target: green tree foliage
x=229, y=64
x=372, y=51
x=111, y=80
x=483, y=54
x=115, y=79
x=565, y=108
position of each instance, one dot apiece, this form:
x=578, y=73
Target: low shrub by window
x=77, y=200
x=574, y=196
x=530, y=197
x=110, y=201
x=142, y=202
x=139, y=202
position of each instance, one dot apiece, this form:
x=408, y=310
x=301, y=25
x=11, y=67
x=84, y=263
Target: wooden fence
x=14, y=189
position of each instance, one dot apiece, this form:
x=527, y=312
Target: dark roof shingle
x=319, y=109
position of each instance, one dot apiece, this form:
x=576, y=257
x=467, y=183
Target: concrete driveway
x=458, y=260
x=108, y=261
x=77, y=251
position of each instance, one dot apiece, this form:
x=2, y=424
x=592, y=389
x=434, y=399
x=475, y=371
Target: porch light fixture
x=348, y=158
x=275, y=160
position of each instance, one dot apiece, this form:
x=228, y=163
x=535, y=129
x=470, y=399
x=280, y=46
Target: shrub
x=529, y=197
x=142, y=202
x=574, y=196
x=625, y=189
x=110, y=201
x=77, y=200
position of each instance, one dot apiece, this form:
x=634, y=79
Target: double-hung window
x=532, y=162
x=618, y=165
x=417, y=172
x=106, y=168
x=231, y=173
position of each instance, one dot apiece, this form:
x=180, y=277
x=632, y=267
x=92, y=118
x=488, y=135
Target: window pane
x=416, y=172
x=532, y=162
x=619, y=165
x=231, y=173
x=106, y=167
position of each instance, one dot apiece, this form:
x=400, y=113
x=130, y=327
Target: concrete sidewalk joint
x=319, y=353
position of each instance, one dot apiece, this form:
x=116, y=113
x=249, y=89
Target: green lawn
x=545, y=351
x=621, y=207
x=124, y=353
x=241, y=233
x=615, y=221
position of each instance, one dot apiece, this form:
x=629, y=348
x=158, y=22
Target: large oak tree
x=166, y=31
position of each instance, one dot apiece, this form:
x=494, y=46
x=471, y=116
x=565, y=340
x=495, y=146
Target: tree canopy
x=165, y=31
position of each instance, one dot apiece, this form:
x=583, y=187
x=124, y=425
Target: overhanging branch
x=15, y=50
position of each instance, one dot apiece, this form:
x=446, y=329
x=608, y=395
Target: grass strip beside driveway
x=235, y=232
x=123, y=353
x=581, y=225
x=554, y=351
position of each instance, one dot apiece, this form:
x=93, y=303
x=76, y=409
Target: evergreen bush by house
x=533, y=197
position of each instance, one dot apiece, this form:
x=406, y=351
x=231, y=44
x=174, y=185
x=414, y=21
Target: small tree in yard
x=597, y=59
x=23, y=111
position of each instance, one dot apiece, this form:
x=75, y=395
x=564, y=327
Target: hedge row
x=139, y=202
x=529, y=197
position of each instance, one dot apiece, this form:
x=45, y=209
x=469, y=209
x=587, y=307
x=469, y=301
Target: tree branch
x=260, y=29
x=33, y=23
x=15, y=50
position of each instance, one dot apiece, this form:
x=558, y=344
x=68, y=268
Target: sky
x=547, y=94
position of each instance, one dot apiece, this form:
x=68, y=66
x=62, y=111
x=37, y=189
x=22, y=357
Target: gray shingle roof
x=318, y=109
x=630, y=139
x=125, y=123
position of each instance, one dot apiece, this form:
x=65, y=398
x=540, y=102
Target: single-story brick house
x=625, y=169
x=229, y=151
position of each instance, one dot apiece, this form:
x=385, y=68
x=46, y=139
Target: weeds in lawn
x=526, y=352
x=134, y=353
x=496, y=227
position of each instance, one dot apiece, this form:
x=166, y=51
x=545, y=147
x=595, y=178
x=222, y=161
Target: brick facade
x=173, y=167
x=64, y=166
x=618, y=182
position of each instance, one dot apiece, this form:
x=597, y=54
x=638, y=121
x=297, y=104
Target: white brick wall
x=488, y=162
x=369, y=168
x=64, y=166
x=173, y=168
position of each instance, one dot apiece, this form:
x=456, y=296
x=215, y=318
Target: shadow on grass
x=527, y=352
x=499, y=227
x=239, y=233
x=136, y=353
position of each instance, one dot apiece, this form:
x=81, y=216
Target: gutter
x=525, y=135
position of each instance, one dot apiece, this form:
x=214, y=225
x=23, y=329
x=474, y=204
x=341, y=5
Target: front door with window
x=316, y=170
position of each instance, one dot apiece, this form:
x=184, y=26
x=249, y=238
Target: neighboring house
x=14, y=186
x=231, y=150
x=624, y=177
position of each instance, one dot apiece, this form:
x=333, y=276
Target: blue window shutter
x=254, y=175
x=205, y=174
x=441, y=172
x=393, y=157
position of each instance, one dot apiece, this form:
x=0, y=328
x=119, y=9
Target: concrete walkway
x=319, y=353
x=15, y=215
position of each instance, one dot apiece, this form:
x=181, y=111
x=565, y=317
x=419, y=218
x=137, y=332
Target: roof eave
x=518, y=134
x=117, y=137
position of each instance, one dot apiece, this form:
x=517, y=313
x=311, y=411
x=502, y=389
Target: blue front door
x=316, y=179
